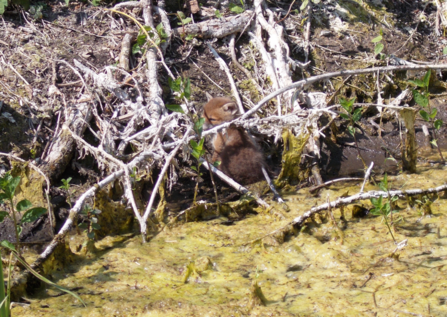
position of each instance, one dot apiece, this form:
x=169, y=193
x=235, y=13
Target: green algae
x=291, y=171
x=308, y=274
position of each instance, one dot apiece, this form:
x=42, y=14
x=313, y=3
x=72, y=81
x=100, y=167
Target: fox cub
x=240, y=158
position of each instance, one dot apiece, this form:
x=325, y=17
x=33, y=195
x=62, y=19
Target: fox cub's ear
x=230, y=107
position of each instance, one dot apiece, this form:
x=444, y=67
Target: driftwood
x=216, y=28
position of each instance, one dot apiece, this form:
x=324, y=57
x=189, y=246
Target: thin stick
x=225, y=68
x=238, y=187
x=272, y=187
x=345, y=179
x=214, y=186
x=160, y=177
x=367, y=174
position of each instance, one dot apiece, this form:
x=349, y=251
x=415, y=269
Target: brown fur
x=240, y=158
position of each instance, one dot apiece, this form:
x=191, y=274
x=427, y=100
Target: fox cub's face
x=219, y=110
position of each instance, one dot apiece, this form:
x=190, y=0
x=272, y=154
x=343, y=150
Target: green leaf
x=91, y=235
x=376, y=202
x=201, y=143
x=33, y=214
x=444, y=51
x=357, y=114
x=193, y=144
x=83, y=225
x=236, y=9
x=198, y=126
x=316, y=1
x=375, y=212
x=434, y=142
x=216, y=164
x=8, y=245
x=66, y=181
x=378, y=48
x=417, y=82
x=218, y=15
x=385, y=181
x=174, y=84
x=304, y=5
x=437, y=124
x=187, y=88
x=23, y=205
x=181, y=15
x=175, y=108
x=194, y=168
x=186, y=21
x=377, y=39
x=433, y=113
x=96, y=226
x=67, y=2
x=427, y=78
x=96, y=211
x=345, y=116
x=11, y=186
x=96, y=2
x=347, y=104
x=189, y=37
x=196, y=154
x=351, y=130
x=3, y=215
x=420, y=99
x=136, y=49
x=424, y=115
x=19, y=230
x=3, y=196
x=161, y=31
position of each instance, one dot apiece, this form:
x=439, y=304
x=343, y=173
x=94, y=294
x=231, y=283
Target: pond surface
x=318, y=272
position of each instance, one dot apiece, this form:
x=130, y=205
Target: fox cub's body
x=240, y=158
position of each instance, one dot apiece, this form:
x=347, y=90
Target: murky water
x=313, y=274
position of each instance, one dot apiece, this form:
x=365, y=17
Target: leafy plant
x=428, y=113
x=378, y=48
x=66, y=187
x=235, y=8
x=158, y=35
x=90, y=223
x=182, y=89
x=385, y=209
x=218, y=14
x=198, y=152
x=183, y=19
x=352, y=116
x=8, y=185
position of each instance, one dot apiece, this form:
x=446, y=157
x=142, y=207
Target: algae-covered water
x=318, y=272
